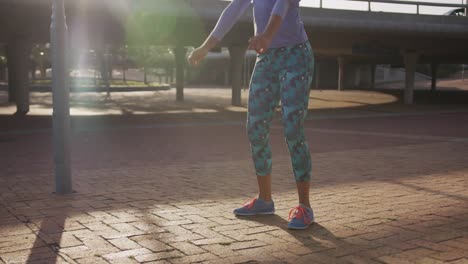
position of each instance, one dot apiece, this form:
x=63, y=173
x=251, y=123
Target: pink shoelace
x=300, y=213
x=250, y=203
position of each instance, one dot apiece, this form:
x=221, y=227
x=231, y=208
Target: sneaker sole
x=247, y=214
x=300, y=228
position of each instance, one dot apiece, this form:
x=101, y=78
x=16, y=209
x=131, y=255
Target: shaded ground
x=156, y=181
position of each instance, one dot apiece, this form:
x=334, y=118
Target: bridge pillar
x=357, y=78
x=317, y=75
x=341, y=73
x=18, y=74
x=226, y=75
x=180, y=53
x=237, y=54
x=373, y=68
x=3, y=68
x=11, y=73
x=410, y=60
x=434, y=68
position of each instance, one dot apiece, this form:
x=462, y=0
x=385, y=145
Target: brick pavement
x=386, y=189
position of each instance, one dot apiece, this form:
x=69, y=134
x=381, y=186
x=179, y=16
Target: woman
x=283, y=71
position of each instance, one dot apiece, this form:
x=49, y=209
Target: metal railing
x=415, y=3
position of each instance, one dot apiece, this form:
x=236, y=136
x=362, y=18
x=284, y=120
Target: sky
x=354, y=5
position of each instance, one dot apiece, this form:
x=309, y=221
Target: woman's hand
x=262, y=42
x=259, y=43
x=197, y=55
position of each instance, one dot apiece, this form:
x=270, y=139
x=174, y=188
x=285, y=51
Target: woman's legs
x=263, y=100
x=303, y=192
x=295, y=83
x=264, y=187
x=286, y=74
x=293, y=118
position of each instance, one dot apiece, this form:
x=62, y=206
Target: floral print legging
x=281, y=74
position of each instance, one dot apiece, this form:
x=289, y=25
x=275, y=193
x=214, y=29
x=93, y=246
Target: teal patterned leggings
x=281, y=74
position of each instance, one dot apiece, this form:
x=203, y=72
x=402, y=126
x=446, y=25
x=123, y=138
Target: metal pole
x=341, y=73
x=61, y=105
x=369, y=6
x=417, y=9
x=321, y=4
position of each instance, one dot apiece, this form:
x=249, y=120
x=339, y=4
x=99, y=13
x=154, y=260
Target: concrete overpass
x=349, y=37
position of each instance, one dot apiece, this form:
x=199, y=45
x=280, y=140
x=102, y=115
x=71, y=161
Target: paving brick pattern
x=388, y=189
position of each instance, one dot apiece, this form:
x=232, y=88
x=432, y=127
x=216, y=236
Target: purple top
x=291, y=31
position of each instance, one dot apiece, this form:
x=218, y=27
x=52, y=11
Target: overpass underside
x=351, y=38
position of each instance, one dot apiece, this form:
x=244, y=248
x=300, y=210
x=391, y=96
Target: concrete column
x=171, y=75
x=168, y=72
x=106, y=69
x=373, y=68
x=317, y=75
x=22, y=90
x=434, y=68
x=2, y=66
x=3, y=73
x=410, y=60
x=179, y=53
x=237, y=54
x=226, y=75
x=357, y=76
x=341, y=69
x=33, y=67
x=11, y=72
x=188, y=75
x=18, y=79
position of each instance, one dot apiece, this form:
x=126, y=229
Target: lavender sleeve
x=281, y=8
x=229, y=17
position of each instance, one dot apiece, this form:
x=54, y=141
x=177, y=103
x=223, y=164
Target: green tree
x=122, y=54
x=150, y=58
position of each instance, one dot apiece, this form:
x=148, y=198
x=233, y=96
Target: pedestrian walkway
x=389, y=184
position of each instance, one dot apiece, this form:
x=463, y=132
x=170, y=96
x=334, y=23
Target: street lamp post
x=61, y=105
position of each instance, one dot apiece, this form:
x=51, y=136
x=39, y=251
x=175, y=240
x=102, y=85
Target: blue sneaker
x=300, y=217
x=255, y=206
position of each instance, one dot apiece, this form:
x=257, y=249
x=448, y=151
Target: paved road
x=386, y=188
